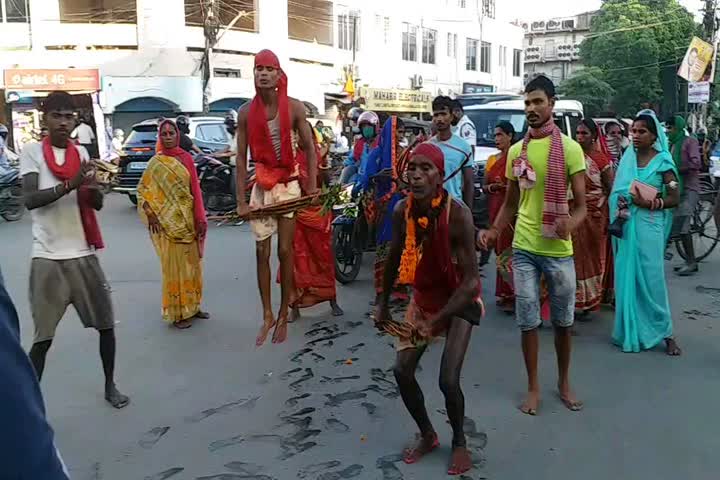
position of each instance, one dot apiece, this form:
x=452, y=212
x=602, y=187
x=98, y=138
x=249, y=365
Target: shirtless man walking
x=267, y=125
x=64, y=269
x=446, y=295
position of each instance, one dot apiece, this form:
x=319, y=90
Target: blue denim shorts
x=559, y=276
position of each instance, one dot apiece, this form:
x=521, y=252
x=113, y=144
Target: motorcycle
x=348, y=238
x=12, y=207
x=217, y=182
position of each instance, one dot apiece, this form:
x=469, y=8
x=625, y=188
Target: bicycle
x=703, y=229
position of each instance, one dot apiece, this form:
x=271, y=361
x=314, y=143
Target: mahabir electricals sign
x=386, y=100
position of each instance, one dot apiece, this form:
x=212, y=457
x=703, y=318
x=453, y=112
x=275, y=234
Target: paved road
x=207, y=404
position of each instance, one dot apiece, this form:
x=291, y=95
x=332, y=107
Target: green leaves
x=630, y=42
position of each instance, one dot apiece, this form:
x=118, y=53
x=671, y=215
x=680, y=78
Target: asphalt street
x=206, y=404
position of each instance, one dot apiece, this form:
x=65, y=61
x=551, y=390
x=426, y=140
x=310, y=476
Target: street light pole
x=210, y=30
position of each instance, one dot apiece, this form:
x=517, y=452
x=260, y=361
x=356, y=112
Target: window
x=488, y=8
x=462, y=3
x=409, y=42
x=517, y=54
x=471, y=53
x=307, y=21
x=429, y=41
x=14, y=11
x=215, y=133
x=452, y=45
x=485, y=56
x=96, y=11
x=349, y=31
x=227, y=11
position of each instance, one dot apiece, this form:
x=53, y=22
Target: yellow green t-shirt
x=528, y=227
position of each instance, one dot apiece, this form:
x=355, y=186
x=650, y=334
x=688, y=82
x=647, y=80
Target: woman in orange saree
x=314, y=261
x=590, y=239
x=495, y=186
x=170, y=204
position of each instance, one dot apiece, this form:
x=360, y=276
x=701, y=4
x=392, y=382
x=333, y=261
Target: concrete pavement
x=207, y=404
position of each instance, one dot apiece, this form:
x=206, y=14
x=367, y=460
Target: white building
x=552, y=46
x=145, y=54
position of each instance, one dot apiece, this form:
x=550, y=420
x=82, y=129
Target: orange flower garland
x=411, y=254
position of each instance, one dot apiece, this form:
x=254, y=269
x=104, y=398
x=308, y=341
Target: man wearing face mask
x=368, y=122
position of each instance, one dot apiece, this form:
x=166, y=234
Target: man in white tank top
x=266, y=126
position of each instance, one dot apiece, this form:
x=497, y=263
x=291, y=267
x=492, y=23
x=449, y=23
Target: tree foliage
x=631, y=42
x=588, y=86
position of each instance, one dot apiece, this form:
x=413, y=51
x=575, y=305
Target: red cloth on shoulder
x=66, y=171
x=269, y=169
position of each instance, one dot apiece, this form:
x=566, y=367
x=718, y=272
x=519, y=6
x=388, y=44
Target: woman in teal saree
x=644, y=194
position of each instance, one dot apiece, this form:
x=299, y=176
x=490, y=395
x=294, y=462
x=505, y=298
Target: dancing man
x=446, y=295
x=59, y=190
x=266, y=125
x=539, y=171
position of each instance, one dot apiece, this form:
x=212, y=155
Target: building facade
x=552, y=46
x=147, y=53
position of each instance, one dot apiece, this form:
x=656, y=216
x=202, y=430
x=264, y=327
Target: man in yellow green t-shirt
x=539, y=170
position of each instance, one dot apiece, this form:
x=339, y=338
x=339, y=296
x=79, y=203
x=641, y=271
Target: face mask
x=368, y=132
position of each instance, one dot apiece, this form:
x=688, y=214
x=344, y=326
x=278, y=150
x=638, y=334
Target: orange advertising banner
x=69, y=80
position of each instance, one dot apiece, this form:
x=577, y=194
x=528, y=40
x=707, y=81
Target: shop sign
x=69, y=80
x=386, y=100
x=477, y=88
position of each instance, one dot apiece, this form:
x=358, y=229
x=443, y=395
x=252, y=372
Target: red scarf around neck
x=555, y=205
x=67, y=171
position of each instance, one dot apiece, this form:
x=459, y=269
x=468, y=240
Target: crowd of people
x=575, y=224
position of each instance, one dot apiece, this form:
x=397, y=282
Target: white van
x=486, y=116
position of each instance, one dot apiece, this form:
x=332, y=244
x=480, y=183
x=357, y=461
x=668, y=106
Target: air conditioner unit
x=416, y=81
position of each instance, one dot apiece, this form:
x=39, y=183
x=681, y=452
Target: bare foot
x=280, y=333
x=460, y=461
x=569, y=400
x=531, y=404
x=336, y=310
x=294, y=315
x=202, y=315
x=672, y=347
x=424, y=444
x=115, y=398
x=268, y=324
x=183, y=324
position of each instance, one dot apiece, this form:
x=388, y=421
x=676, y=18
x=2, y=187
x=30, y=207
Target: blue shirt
x=456, y=150
x=5, y=167
x=28, y=451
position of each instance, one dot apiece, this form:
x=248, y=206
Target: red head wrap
x=272, y=170
x=433, y=153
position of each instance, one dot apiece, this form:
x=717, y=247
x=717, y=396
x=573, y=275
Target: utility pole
x=710, y=30
x=211, y=28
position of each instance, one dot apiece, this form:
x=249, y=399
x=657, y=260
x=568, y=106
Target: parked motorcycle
x=12, y=207
x=217, y=182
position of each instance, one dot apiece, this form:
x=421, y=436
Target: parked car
x=208, y=133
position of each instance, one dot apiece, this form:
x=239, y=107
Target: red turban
x=271, y=170
x=433, y=153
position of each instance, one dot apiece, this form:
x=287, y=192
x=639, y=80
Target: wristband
x=662, y=203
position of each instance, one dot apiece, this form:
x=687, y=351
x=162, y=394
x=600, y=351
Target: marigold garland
x=411, y=253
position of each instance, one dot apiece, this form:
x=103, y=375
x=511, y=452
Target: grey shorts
x=683, y=215
x=80, y=282
x=559, y=276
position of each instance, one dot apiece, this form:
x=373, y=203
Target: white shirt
x=57, y=229
x=465, y=129
x=84, y=133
